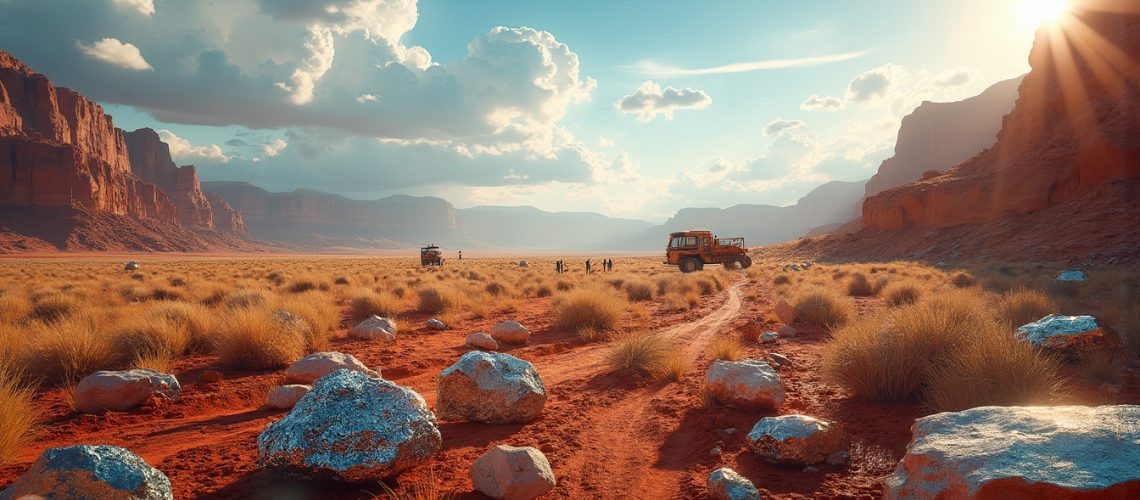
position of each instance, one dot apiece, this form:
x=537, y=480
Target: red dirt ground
x=605, y=435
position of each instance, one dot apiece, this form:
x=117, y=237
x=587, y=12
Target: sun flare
x=1034, y=13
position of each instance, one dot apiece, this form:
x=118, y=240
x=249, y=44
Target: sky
x=630, y=109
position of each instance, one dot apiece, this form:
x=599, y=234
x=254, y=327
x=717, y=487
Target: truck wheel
x=690, y=264
x=745, y=262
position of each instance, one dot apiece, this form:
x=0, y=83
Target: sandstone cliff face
x=1074, y=130
x=319, y=219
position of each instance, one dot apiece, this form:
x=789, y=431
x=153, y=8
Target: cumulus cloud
x=182, y=150
x=874, y=83
x=273, y=148
x=817, y=103
x=651, y=100
x=777, y=126
x=312, y=68
x=114, y=52
x=144, y=7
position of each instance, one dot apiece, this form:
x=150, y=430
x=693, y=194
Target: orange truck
x=431, y=255
x=691, y=250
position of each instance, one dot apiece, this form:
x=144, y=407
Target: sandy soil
x=606, y=435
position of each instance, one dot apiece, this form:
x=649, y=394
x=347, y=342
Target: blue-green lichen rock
x=352, y=427
x=90, y=472
x=725, y=484
x=491, y=388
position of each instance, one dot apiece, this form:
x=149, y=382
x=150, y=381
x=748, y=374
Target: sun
x=1033, y=13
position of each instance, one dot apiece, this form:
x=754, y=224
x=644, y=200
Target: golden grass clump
x=257, y=339
x=638, y=353
x=781, y=279
x=963, y=280
x=196, y=319
x=638, y=290
x=245, y=298
x=53, y=307
x=1101, y=365
x=727, y=348
x=859, y=286
x=363, y=303
x=13, y=308
x=68, y=350
x=600, y=309
x=432, y=300
x=18, y=420
x=148, y=337
x=901, y=293
x=674, y=367
x=1023, y=306
x=822, y=307
x=319, y=312
x=994, y=370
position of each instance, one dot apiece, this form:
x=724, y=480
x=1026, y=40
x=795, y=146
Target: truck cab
x=691, y=250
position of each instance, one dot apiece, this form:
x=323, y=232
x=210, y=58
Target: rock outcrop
x=491, y=388
x=1022, y=452
x=123, y=390
x=725, y=484
x=1068, y=336
x=512, y=472
x=748, y=384
x=101, y=472
x=795, y=440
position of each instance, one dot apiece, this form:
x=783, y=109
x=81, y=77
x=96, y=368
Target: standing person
x=587, y=266
x=461, y=255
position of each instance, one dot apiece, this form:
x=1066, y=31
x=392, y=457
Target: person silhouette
x=587, y=266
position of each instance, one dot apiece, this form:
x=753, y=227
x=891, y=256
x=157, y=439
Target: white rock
x=510, y=332
x=491, y=388
x=96, y=472
x=436, y=325
x=747, y=384
x=481, y=340
x=1072, y=275
x=351, y=427
x=1022, y=452
x=374, y=328
x=122, y=390
x=286, y=396
x=794, y=440
x=511, y=472
x=1070, y=334
x=769, y=337
x=314, y=366
x=725, y=484
x=779, y=359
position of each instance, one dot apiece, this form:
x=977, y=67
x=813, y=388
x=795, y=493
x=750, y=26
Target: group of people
x=607, y=265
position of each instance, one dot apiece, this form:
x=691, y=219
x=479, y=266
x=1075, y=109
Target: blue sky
x=632, y=109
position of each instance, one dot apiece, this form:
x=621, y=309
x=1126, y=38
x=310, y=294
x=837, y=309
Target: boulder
x=779, y=359
x=122, y=390
x=785, y=312
x=352, y=427
x=787, y=332
x=725, y=484
x=491, y=388
x=748, y=384
x=794, y=440
x=286, y=396
x=1022, y=452
x=481, y=340
x=436, y=325
x=510, y=332
x=97, y=472
x=131, y=266
x=314, y=366
x=1068, y=335
x=769, y=337
x=511, y=472
x=523, y=263
x=1072, y=275
x=374, y=328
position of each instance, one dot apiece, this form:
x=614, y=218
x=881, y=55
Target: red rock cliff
x=1075, y=128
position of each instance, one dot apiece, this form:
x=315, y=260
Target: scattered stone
x=374, y=328
x=838, y=458
x=748, y=384
x=779, y=359
x=794, y=440
x=210, y=377
x=810, y=469
x=491, y=388
x=787, y=332
x=523, y=263
x=480, y=340
x=725, y=484
x=512, y=472
x=715, y=452
x=769, y=337
x=785, y=312
x=510, y=332
x=94, y=472
x=122, y=390
x=1022, y=452
x=352, y=427
x=1068, y=335
x=314, y=366
x=286, y=396
x=1072, y=275
x=436, y=325
x=131, y=266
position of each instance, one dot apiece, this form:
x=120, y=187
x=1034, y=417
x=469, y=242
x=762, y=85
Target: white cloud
x=663, y=71
x=817, y=103
x=114, y=52
x=182, y=150
x=273, y=148
x=605, y=142
x=312, y=68
x=144, y=7
x=651, y=100
x=780, y=125
x=955, y=77
x=363, y=98
x=874, y=84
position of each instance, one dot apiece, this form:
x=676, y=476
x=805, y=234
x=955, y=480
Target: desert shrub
x=496, y=288
x=149, y=336
x=254, y=338
x=1101, y=365
x=194, y=318
x=822, y=307
x=563, y=285
x=963, y=280
x=1022, y=306
x=341, y=280
x=320, y=313
x=859, y=286
x=678, y=301
x=69, y=349
x=589, y=334
x=17, y=414
x=726, y=348
x=432, y=300
x=781, y=279
x=245, y=298
x=303, y=285
x=674, y=367
x=164, y=293
x=543, y=290
x=276, y=277
x=599, y=309
x=53, y=307
x=13, y=308
x=994, y=370
x=638, y=290
x=901, y=293
x=638, y=353
x=364, y=303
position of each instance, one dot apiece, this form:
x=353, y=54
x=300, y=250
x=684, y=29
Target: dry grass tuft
x=638, y=290
x=256, y=339
x=859, y=286
x=149, y=337
x=1022, y=306
x=638, y=353
x=194, y=318
x=600, y=309
x=53, y=307
x=18, y=420
x=963, y=280
x=781, y=279
x=13, y=308
x=588, y=334
x=726, y=348
x=674, y=367
x=68, y=350
x=320, y=313
x=364, y=303
x=1101, y=366
x=822, y=307
x=994, y=370
x=901, y=293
